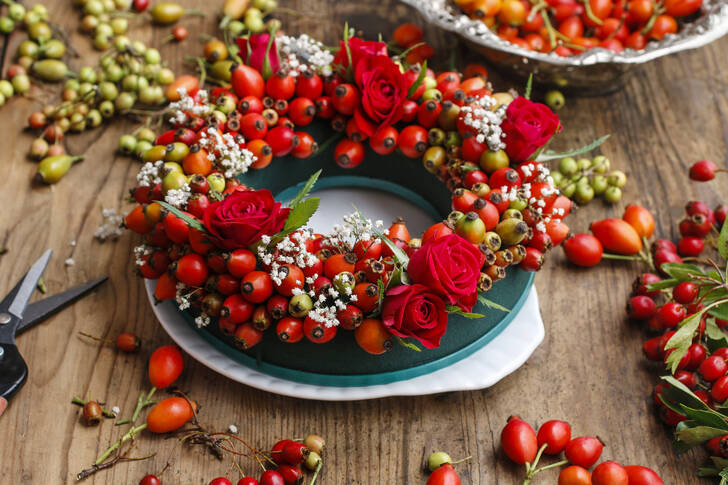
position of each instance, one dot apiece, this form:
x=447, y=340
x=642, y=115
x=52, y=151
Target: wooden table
x=589, y=370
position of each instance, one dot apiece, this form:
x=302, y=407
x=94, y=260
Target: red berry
x=289, y=330
x=584, y=451
x=690, y=246
x=272, y=477
x=697, y=356
x=281, y=86
x=150, y=480
x=719, y=389
x=191, y=269
x=221, y=481
x=292, y=475
x=412, y=141
x=685, y=292
x=671, y=314
x=640, y=475
x=256, y=286
x=641, y=307
x=703, y=170
x=318, y=332
x=384, y=141
x=609, y=473
x=687, y=378
x=346, y=99
x=248, y=481
x=556, y=434
x=282, y=140
x=713, y=367
x=294, y=453
x=309, y=85
x=349, y=153
x=532, y=261
x=518, y=440
x=639, y=287
x=583, y=250
x=653, y=349
x=301, y=111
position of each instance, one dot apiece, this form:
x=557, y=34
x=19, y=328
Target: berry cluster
x=584, y=179
x=285, y=461
x=569, y=27
x=524, y=446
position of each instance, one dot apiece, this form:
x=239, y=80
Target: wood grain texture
x=589, y=370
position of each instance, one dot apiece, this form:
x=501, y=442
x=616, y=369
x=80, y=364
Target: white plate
x=503, y=355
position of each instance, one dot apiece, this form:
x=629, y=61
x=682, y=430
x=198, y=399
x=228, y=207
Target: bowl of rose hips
x=588, y=46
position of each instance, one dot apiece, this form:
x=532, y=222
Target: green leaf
x=682, y=339
x=719, y=461
x=682, y=271
x=662, y=285
x=191, y=221
x=304, y=190
x=551, y=155
x=380, y=299
x=491, y=304
x=704, y=471
x=420, y=79
x=723, y=241
x=458, y=311
x=300, y=214
x=707, y=418
x=715, y=337
x=721, y=311
x=698, y=435
x=529, y=87
x=399, y=277
x=678, y=393
x=406, y=344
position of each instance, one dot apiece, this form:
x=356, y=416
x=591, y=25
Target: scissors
x=16, y=316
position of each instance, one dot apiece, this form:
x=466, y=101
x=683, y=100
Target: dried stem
x=80, y=402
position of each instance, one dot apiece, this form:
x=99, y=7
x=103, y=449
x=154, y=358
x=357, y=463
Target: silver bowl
x=594, y=71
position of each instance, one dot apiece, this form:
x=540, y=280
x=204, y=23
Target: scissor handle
x=13, y=371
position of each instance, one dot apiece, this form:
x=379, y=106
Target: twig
x=127, y=436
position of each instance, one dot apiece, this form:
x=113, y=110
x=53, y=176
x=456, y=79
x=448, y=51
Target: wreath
x=234, y=255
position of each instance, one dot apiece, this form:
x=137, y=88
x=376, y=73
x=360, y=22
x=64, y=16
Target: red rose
x=450, y=266
x=383, y=90
x=415, y=311
x=252, y=52
x=243, y=217
x=359, y=50
x=527, y=127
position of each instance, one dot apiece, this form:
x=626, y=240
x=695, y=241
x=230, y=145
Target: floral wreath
x=236, y=255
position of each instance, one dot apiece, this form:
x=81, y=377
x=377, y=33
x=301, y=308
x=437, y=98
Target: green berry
x=432, y=94
x=6, y=88
x=613, y=195
x=7, y=25
x=152, y=56
x=28, y=48
x=119, y=25
x=584, y=194
x=569, y=190
x=236, y=27
x=518, y=203
x=93, y=7
x=21, y=83
x=127, y=144
x=557, y=177
x=599, y=184
x=568, y=166
x=146, y=134
x=106, y=108
x=141, y=147
x=617, y=178
x=437, y=459
x=2, y=99
x=555, y=99
x=216, y=181
x=102, y=42
x=601, y=164
x=16, y=12
x=87, y=74
x=121, y=42
x=583, y=164
x=124, y=101
x=491, y=161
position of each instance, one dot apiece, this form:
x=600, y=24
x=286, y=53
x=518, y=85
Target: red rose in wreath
x=359, y=50
x=383, y=90
x=415, y=311
x=527, y=127
x=450, y=266
x=243, y=218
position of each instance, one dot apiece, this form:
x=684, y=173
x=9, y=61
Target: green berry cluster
x=254, y=18
x=104, y=20
x=39, y=47
x=137, y=143
x=583, y=179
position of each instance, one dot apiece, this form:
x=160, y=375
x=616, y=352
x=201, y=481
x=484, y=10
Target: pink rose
x=528, y=126
x=252, y=52
x=415, y=311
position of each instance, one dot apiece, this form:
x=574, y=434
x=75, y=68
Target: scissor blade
x=42, y=309
x=20, y=301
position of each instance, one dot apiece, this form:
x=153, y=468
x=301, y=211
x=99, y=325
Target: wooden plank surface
x=589, y=370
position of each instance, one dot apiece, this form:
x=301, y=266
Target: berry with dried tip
x=128, y=342
x=92, y=413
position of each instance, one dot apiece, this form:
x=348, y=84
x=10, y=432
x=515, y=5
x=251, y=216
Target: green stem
x=553, y=465
x=590, y=14
x=621, y=257
x=316, y=472
x=127, y=436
